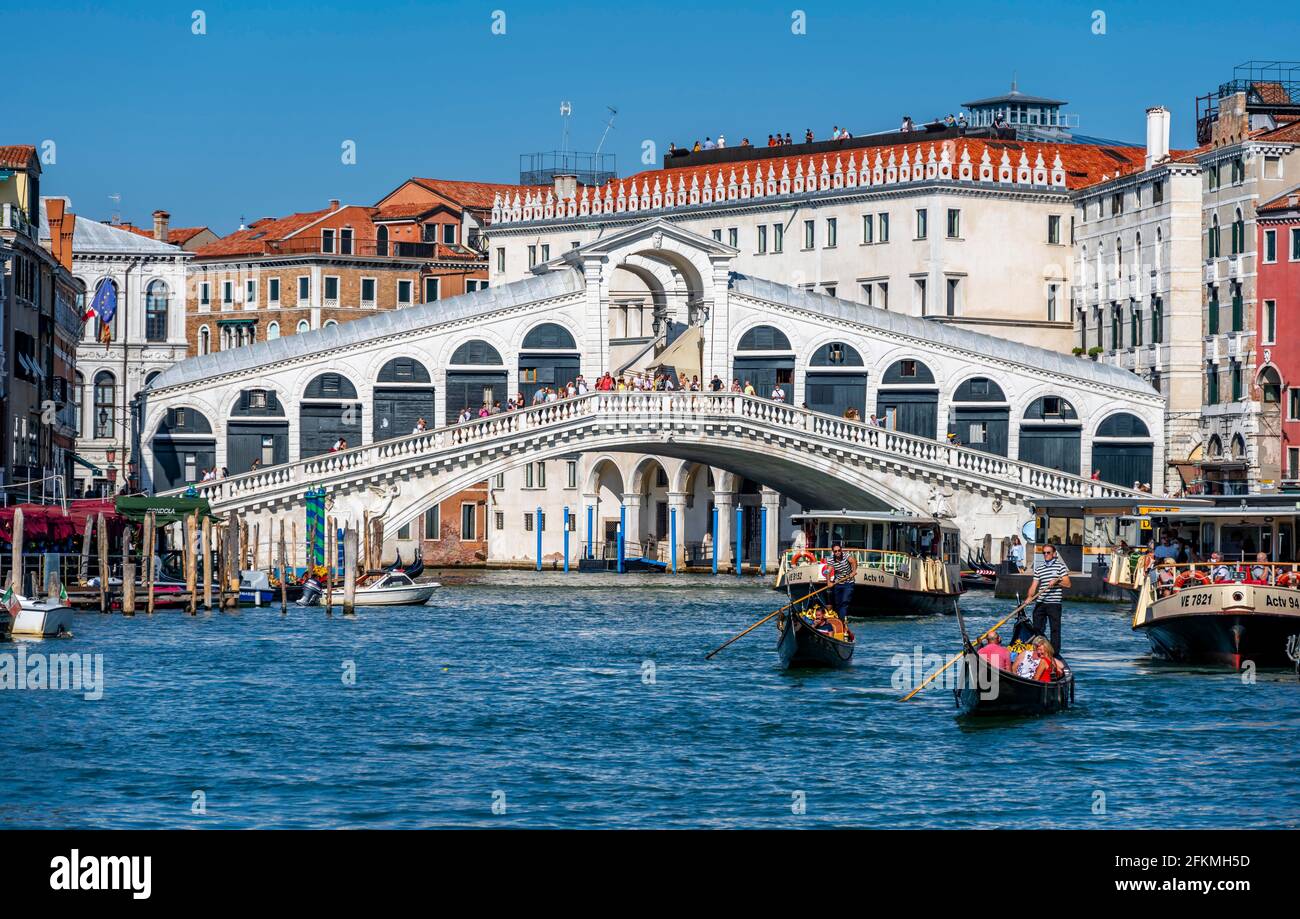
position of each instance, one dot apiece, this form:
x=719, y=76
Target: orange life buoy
x=803, y=558
x=1286, y=579
x=828, y=573
x=1200, y=577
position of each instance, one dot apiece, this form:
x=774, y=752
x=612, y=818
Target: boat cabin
x=881, y=531
x=1084, y=535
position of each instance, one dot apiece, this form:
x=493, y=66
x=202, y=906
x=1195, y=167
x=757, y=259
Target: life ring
x=1200, y=577
x=828, y=573
x=1286, y=579
x=803, y=558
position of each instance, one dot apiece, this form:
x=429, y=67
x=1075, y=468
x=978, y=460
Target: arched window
x=205, y=340
x=1238, y=233
x=836, y=354
x=104, y=404
x=1215, y=447
x=78, y=397
x=764, y=338
x=381, y=240
x=1238, y=446
x=155, y=311
x=330, y=323
x=907, y=371
x=1050, y=408
x=1123, y=424
x=979, y=389
x=476, y=352
x=272, y=331
x=403, y=370
x=1270, y=385
x=549, y=337
x=1212, y=242
x=303, y=326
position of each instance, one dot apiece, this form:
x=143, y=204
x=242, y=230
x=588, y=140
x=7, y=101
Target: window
x=535, y=475
x=832, y=232
x=979, y=432
x=1234, y=373
x=268, y=450
x=205, y=294
x=1293, y=404
x=499, y=480
x=367, y=291
x=532, y=256
x=1270, y=321
x=449, y=233
x=809, y=234
x=717, y=235
x=1157, y=321
x=1212, y=308
x=1295, y=244
x=762, y=239
x=733, y=237
x=1051, y=406
x=468, y=522
x=1238, y=171
x=432, y=525
x=1212, y=177
x=1054, y=229
x=908, y=369
x=155, y=311
x=432, y=288
x=528, y=523
x=272, y=331
x=1238, y=312
x=868, y=229
x=304, y=290
x=1213, y=242
x=273, y=291
x=1211, y=385
x=250, y=292
x=1292, y=462
x=104, y=404
x=1116, y=328
x=1051, y=302
x=303, y=326
x=1135, y=325
x=883, y=224
x=866, y=289
x=499, y=519
x=778, y=237
x=327, y=241
x=79, y=384
x=1238, y=233
x=571, y=468
x=919, y=296
x=257, y=398
x=922, y=223
x=404, y=531
x=501, y=258
x=345, y=241
x=331, y=290
x=1270, y=245
x=954, y=223
x=546, y=253
x=953, y=295
x=473, y=284
x=205, y=340
x=227, y=293
x=404, y=289
x=191, y=467
x=883, y=288
x=1117, y=204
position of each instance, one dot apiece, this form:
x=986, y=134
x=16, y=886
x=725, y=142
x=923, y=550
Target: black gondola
x=987, y=690
x=801, y=645
x=412, y=571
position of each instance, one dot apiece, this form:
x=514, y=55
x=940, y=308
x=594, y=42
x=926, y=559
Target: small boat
x=255, y=588
x=413, y=570
x=802, y=645
x=395, y=589
x=985, y=689
x=42, y=618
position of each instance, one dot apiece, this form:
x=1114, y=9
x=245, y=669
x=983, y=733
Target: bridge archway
x=327, y=414
x=979, y=415
x=604, y=498
x=1122, y=450
x=404, y=394
x=908, y=398
x=765, y=358
x=476, y=376
x=257, y=430
x=835, y=381
x=184, y=447
x=1050, y=434
x=548, y=356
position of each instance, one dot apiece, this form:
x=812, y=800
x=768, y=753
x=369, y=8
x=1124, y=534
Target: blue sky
x=249, y=119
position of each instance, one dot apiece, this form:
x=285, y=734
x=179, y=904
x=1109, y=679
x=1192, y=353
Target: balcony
x=1212, y=272
x=13, y=218
x=1134, y=288
x=1234, y=266
x=1153, y=285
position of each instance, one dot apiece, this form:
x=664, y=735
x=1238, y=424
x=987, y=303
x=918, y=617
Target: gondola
x=986, y=690
x=801, y=645
x=413, y=570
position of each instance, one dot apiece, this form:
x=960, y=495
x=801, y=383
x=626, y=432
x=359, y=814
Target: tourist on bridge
x=749, y=389
x=778, y=394
x=716, y=383
x=420, y=427
x=843, y=569
x=1050, y=576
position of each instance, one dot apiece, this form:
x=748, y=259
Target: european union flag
x=105, y=303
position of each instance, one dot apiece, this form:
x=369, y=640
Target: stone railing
x=844, y=171
x=372, y=462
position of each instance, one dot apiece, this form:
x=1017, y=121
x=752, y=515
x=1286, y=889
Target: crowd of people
x=773, y=140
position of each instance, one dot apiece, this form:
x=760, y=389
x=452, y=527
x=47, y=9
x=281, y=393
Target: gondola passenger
x=820, y=622
x=995, y=652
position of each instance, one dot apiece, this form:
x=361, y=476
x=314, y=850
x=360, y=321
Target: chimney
x=160, y=219
x=1157, y=135
x=566, y=187
x=334, y=204
x=62, y=225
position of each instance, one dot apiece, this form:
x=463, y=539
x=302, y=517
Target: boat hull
x=42, y=620
x=396, y=596
x=800, y=645
x=987, y=691
x=1224, y=625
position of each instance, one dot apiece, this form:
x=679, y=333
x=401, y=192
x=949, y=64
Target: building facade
x=1277, y=353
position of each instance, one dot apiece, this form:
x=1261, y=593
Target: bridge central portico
x=1025, y=418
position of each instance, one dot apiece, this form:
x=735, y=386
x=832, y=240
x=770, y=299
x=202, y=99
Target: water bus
x=907, y=565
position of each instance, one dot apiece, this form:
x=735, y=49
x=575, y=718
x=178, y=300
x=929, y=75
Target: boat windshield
x=396, y=580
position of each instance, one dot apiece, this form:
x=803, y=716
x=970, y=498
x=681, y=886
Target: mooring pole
x=537, y=526
x=591, y=513
x=672, y=536
x=622, y=528
x=564, y=525
x=715, y=539
x=762, y=540
x=740, y=520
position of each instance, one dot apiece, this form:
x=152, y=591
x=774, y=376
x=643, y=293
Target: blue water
x=585, y=701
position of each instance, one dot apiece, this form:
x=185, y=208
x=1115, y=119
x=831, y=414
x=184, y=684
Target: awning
x=49, y=523
x=82, y=461
x=165, y=510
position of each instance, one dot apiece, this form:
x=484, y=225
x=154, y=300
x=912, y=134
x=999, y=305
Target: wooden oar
x=766, y=618
x=990, y=630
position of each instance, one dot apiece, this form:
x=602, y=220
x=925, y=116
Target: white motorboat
x=42, y=618
x=395, y=588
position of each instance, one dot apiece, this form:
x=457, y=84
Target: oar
x=963, y=652
x=766, y=618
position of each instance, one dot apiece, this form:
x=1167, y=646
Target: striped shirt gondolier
x=1046, y=572
x=841, y=568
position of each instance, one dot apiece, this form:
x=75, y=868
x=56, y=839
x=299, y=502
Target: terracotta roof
x=19, y=156
x=1287, y=201
x=404, y=211
x=254, y=239
x=1271, y=93
x=1287, y=133
x=181, y=235
x=478, y=195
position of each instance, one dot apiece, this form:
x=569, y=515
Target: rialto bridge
x=1028, y=422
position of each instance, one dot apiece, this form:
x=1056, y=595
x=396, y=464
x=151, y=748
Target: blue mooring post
x=762, y=541
x=591, y=512
x=740, y=520
x=622, y=527
x=537, y=524
x=565, y=523
x=672, y=536
x=715, y=539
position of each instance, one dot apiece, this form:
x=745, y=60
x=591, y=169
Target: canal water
x=545, y=700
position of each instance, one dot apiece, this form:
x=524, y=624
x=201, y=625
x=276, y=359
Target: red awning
x=49, y=523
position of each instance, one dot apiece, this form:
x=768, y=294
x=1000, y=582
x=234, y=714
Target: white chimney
x=1157, y=135
x=566, y=187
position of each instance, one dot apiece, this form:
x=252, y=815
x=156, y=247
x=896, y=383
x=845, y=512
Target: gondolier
x=842, y=569
x=1050, y=575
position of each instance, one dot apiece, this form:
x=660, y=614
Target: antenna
x=566, y=109
x=613, y=113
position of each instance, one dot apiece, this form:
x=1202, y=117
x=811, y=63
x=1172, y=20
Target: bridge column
x=590, y=524
x=632, y=533
x=677, y=528
x=772, y=528
x=724, y=545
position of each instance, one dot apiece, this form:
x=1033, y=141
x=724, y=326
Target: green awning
x=82, y=461
x=165, y=510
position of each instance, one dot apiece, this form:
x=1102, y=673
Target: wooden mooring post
x=103, y=562
x=284, y=574
x=207, y=563
x=191, y=564
x=128, y=588
x=149, y=551
x=349, y=569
